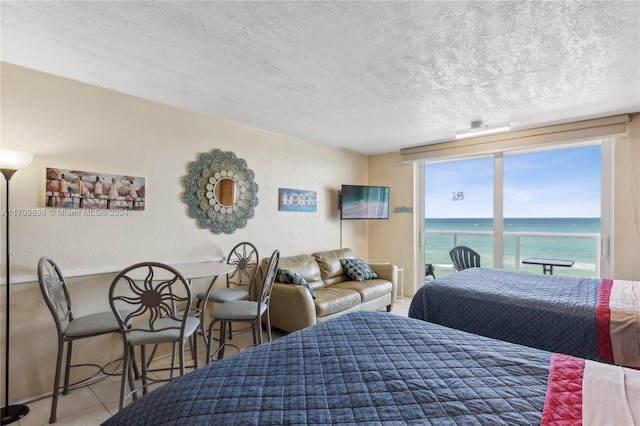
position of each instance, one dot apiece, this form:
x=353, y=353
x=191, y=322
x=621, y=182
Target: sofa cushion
x=304, y=265
x=368, y=289
x=287, y=276
x=331, y=300
x=357, y=269
x=329, y=262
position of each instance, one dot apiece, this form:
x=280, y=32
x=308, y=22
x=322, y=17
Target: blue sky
x=558, y=183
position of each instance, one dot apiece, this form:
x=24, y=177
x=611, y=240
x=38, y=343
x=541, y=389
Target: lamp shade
x=14, y=160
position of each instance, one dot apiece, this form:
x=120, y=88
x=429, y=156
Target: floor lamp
x=10, y=162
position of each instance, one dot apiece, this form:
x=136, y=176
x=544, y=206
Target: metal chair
x=245, y=311
x=239, y=283
x=159, y=299
x=429, y=270
x=69, y=327
x=463, y=257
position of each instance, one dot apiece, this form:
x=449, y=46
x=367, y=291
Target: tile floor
x=93, y=404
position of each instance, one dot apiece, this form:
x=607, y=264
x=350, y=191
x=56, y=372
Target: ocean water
x=581, y=251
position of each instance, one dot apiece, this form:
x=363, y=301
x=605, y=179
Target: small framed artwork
x=297, y=200
x=75, y=189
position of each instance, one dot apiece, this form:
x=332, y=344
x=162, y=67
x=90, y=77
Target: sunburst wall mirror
x=220, y=191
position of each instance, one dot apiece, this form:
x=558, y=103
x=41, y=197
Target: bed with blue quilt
x=369, y=368
x=595, y=319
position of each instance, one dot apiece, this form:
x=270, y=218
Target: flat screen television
x=364, y=202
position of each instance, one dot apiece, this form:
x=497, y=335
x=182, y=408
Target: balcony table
x=548, y=264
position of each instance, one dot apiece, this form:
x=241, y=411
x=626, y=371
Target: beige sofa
x=293, y=308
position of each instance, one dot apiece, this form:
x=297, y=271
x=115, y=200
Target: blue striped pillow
x=357, y=269
x=287, y=276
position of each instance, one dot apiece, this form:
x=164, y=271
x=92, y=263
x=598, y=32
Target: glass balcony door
x=510, y=206
x=458, y=197
x=552, y=208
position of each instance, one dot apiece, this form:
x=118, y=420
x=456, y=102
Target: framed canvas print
x=297, y=200
x=75, y=189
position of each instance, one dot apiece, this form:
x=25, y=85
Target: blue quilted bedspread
x=365, y=367
x=547, y=312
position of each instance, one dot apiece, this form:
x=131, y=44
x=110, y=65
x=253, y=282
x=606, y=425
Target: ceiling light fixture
x=478, y=129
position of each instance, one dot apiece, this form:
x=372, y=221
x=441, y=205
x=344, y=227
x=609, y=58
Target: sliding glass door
x=458, y=210
x=516, y=205
x=552, y=207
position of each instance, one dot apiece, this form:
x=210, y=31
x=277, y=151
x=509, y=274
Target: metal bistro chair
x=69, y=327
x=429, y=270
x=463, y=257
x=239, y=283
x=245, y=311
x=152, y=291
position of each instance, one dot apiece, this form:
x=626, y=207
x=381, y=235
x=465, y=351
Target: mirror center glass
x=226, y=192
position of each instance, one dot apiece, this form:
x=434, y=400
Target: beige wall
x=394, y=239
x=71, y=125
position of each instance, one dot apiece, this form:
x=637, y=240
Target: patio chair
x=463, y=257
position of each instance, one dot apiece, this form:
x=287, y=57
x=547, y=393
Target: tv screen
x=364, y=202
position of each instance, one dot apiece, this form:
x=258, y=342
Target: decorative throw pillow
x=357, y=269
x=287, y=276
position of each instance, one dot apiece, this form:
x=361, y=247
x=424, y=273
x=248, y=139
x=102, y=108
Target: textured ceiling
x=373, y=77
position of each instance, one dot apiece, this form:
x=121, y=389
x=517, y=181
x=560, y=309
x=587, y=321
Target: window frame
x=603, y=255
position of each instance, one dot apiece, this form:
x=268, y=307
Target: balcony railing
x=585, y=252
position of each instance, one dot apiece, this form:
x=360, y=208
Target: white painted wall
x=70, y=125
x=76, y=126
x=395, y=239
